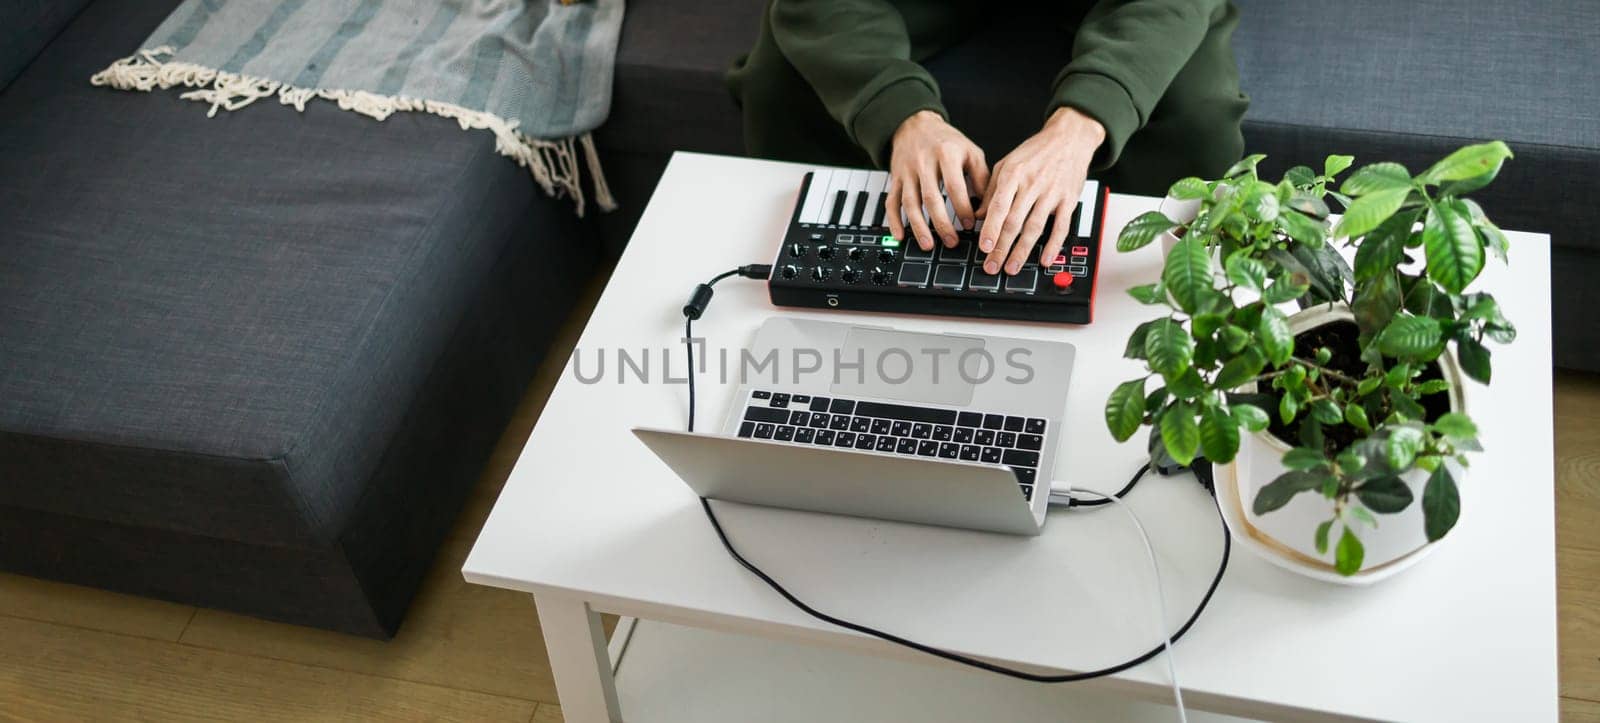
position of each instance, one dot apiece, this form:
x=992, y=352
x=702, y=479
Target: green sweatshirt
x=860, y=58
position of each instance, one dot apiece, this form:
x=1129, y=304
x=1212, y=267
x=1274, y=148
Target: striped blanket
x=536, y=73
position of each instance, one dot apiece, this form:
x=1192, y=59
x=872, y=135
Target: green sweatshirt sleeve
x=856, y=55
x=1124, y=56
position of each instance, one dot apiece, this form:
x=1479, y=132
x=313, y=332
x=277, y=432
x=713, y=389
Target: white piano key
x=856, y=186
x=1090, y=204
x=811, y=205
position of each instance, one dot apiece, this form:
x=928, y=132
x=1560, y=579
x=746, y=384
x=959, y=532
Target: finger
x=891, y=209
x=934, y=203
x=1028, y=238
x=955, y=186
x=1009, y=229
x=911, y=204
x=1059, y=229
x=995, y=208
x=978, y=171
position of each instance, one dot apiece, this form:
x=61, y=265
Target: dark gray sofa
x=254, y=362
x=1406, y=81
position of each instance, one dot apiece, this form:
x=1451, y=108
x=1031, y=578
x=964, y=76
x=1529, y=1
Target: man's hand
x=1042, y=176
x=925, y=151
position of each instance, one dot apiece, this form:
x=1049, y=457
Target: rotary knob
x=824, y=252
x=879, y=276
x=820, y=273
x=886, y=255
x=850, y=274
x=797, y=250
x=789, y=272
x=855, y=253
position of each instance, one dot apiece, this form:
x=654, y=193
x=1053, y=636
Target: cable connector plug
x=756, y=271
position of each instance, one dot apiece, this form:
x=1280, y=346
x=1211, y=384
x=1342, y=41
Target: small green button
x=890, y=241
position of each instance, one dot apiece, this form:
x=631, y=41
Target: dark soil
x=1341, y=338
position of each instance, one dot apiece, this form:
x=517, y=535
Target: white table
x=591, y=522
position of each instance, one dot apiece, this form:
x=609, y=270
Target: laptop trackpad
x=912, y=367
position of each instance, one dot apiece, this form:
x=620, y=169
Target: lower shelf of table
x=671, y=674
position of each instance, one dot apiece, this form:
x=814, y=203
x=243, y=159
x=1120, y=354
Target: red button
x=1080, y=250
x=1062, y=280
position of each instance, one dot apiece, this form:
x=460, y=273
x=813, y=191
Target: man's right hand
x=925, y=151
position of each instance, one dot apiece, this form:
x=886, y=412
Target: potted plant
x=1333, y=388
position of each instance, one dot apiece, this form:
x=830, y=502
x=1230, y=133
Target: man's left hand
x=1043, y=176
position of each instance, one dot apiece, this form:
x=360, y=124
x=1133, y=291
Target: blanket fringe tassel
x=553, y=163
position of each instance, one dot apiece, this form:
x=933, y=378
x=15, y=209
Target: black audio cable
x=1202, y=469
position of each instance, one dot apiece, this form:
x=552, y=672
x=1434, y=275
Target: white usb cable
x=1058, y=493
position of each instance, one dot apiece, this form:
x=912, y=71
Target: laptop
x=943, y=429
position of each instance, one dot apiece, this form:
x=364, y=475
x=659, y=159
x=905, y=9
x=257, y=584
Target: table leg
x=576, y=643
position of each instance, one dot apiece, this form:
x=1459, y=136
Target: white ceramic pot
x=1179, y=211
x=1285, y=537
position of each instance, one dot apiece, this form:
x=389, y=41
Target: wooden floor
x=474, y=654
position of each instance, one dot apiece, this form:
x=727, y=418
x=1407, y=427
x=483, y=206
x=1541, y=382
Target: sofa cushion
x=215, y=326
x=26, y=26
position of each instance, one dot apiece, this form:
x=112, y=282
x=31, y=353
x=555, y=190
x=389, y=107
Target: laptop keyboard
x=910, y=430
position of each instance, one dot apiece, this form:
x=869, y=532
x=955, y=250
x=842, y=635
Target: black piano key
x=883, y=207
x=861, y=208
x=838, y=207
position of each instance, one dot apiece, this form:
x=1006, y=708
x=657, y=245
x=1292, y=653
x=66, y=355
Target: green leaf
x=1375, y=303
x=1155, y=399
x=1149, y=293
x=1367, y=212
x=1441, y=503
x=1368, y=385
x=1248, y=163
x=1179, y=433
x=1456, y=425
x=1377, y=177
x=1322, y=537
x=1468, y=162
x=1187, y=385
x=1250, y=416
x=1233, y=338
x=1288, y=406
x=1135, y=349
x=1357, y=417
x=1336, y=165
x=1347, y=557
x=1402, y=445
x=1326, y=411
x=1246, y=272
x=1385, y=495
x=1287, y=288
x=1410, y=336
x=1309, y=205
x=1474, y=358
x=1432, y=386
x=1142, y=230
x=1219, y=435
x=1276, y=340
x=1278, y=492
x=1189, y=189
x=1384, y=248
x=1304, y=458
x=1187, y=274
x=1303, y=228
x=1300, y=176
x=1125, y=409
x=1455, y=253
x=1239, y=369
x=1169, y=348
